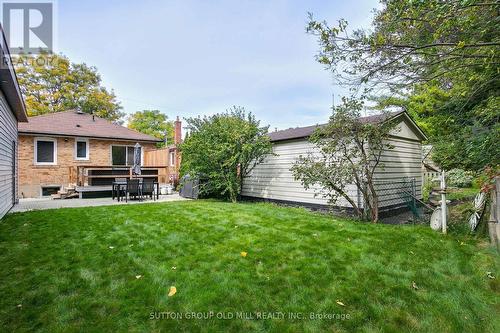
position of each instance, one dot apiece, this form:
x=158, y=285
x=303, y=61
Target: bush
x=223, y=149
x=460, y=178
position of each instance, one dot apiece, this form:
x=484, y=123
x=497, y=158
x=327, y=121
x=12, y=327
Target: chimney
x=177, y=131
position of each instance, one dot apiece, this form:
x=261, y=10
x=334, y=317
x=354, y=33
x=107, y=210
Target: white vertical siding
x=8, y=135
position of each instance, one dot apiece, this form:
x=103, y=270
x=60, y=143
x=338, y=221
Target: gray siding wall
x=273, y=179
x=403, y=162
x=8, y=134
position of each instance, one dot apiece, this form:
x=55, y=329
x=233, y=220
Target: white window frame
x=172, y=158
x=87, y=150
x=35, y=146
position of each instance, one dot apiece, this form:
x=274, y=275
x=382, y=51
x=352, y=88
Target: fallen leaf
x=19, y=305
x=490, y=275
x=462, y=243
x=138, y=276
x=315, y=235
x=172, y=291
x=340, y=303
x=243, y=254
x=111, y=247
x=414, y=285
x=412, y=252
x=174, y=268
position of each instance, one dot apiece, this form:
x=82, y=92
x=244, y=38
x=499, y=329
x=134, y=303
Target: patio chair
x=120, y=190
x=133, y=189
x=148, y=188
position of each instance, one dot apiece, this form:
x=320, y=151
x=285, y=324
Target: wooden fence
x=170, y=173
x=430, y=175
x=494, y=219
x=156, y=157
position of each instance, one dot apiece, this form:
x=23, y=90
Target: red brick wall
x=32, y=177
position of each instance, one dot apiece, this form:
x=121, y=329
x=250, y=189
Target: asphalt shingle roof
x=304, y=132
x=73, y=123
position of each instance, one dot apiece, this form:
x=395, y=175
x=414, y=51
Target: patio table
x=117, y=186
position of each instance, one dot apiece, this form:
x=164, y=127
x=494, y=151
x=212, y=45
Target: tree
x=154, y=123
x=349, y=151
x=444, y=53
x=463, y=138
x=223, y=149
x=51, y=83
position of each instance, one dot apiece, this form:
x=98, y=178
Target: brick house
x=72, y=148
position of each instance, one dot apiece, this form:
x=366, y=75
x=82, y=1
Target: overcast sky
x=188, y=58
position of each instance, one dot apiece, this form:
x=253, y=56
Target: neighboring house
x=272, y=180
x=430, y=169
x=12, y=111
x=170, y=155
x=75, y=148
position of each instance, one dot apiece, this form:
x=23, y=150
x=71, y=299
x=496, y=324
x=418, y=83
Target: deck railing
x=85, y=175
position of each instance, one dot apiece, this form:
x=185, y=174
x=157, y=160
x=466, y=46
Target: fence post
x=414, y=193
x=493, y=223
x=443, y=201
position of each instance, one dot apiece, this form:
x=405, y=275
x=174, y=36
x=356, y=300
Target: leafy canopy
x=438, y=59
x=154, y=123
x=51, y=83
x=222, y=150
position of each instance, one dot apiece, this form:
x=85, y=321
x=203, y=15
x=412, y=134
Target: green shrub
x=460, y=178
x=223, y=149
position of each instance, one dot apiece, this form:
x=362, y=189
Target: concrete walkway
x=25, y=205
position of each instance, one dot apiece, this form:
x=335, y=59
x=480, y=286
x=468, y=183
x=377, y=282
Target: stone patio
x=25, y=205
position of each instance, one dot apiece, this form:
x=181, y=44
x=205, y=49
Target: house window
x=49, y=190
x=123, y=155
x=45, y=151
x=172, y=158
x=81, y=149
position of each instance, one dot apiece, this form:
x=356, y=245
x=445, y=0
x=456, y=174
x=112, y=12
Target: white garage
x=272, y=180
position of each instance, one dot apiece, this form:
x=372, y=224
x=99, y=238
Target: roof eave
x=405, y=114
x=155, y=140
x=290, y=139
x=10, y=85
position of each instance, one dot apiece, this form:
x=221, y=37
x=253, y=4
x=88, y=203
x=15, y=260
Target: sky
x=189, y=58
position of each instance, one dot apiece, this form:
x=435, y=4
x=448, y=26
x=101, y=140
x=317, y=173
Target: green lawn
x=468, y=193
x=75, y=270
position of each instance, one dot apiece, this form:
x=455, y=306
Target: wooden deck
x=104, y=175
x=92, y=191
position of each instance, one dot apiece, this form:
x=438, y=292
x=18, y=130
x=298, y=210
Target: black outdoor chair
x=133, y=189
x=119, y=190
x=148, y=188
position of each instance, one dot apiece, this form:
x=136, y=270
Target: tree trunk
x=374, y=201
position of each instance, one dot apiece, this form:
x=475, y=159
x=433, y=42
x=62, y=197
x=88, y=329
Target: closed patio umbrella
x=136, y=168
